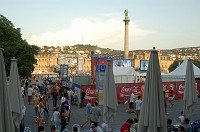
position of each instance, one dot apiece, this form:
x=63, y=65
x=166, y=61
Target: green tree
x=14, y=46
x=196, y=62
x=174, y=65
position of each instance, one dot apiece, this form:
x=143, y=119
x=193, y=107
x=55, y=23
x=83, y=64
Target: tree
x=196, y=62
x=14, y=46
x=174, y=65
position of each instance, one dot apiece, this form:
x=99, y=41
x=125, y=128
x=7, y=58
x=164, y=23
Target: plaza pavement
x=78, y=115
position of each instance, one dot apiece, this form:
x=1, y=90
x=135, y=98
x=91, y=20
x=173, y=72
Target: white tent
x=124, y=74
x=179, y=73
x=123, y=71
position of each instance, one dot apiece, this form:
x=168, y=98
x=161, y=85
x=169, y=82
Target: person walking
x=66, y=104
x=46, y=110
x=30, y=94
x=55, y=98
x=56, y=118
x=88, y=109
x=181, y=118
x=165, y=102
x=82, y=98
x=138, y=104
x=171, y=96
x=131, y=103
x=64, y=114
x=95, y=113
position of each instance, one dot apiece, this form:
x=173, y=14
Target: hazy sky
x=164, y=24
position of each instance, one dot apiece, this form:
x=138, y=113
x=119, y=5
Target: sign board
x=100, y=97
x=100, y=76
x=80, y=65
x=64, y=71
x=98, y=65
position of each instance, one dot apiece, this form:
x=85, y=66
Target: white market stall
x=179, y=73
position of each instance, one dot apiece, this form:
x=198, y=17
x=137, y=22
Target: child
x=36, y=103
x=39, y=120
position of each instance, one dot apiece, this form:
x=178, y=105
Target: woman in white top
x=56, y=118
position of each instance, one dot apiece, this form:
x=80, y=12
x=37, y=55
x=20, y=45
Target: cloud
x=106, y=31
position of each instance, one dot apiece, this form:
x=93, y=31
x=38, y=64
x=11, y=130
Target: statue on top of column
x=126, y=12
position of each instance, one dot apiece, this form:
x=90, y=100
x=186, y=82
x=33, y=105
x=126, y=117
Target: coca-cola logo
x=181, y=87
x=91, y=91
x=128, y=90
x=164, y=87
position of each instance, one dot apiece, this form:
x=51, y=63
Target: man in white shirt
x=181, y=117
x=138, y=104
x=30, y=93
x=131, y=107
x=70, y=93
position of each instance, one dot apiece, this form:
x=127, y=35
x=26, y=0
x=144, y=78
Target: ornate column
x=126, y=36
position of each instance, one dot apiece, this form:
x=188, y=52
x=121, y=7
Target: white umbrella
x=6, y=123
x=109, y=95
x=190, y=95
x=17, y=103
x=152, y=116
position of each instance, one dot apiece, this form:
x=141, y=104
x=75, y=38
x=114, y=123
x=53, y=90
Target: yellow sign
x=100, y=96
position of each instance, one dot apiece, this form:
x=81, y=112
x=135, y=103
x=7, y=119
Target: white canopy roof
x=180, y=71
x=124, y=71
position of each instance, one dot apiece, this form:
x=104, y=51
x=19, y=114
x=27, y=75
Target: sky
x=164, y=24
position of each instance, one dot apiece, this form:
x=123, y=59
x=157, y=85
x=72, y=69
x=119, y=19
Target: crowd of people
x=182, y=125
x=39, y=92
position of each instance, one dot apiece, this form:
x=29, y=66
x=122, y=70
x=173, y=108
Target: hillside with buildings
x=78, y=57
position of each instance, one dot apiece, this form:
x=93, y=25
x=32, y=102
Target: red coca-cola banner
x=124, y=90
x=167, y=86
x=180, y=86
x=91, y=93
x=180, y=89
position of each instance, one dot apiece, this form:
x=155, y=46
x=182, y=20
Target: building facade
x=164, y=60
